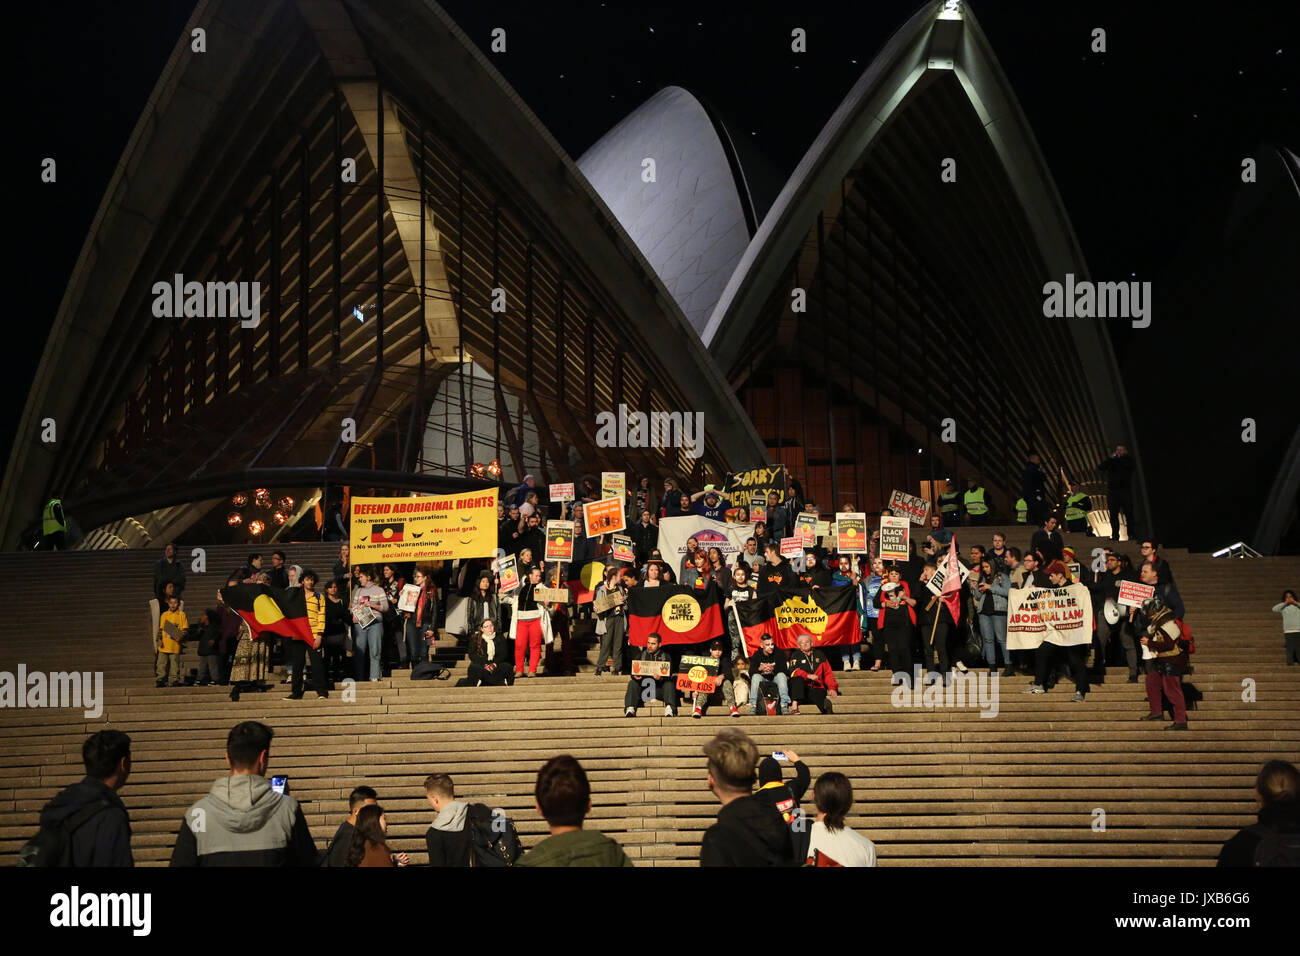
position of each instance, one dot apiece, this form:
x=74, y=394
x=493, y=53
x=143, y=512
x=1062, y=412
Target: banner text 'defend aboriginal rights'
x=429, y=527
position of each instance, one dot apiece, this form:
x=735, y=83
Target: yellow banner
x=427, y=527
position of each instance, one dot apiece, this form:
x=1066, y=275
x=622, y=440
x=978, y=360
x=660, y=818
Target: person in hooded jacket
x=448, y=838
x=785, y=797
x=99, y=823
x=242, y=821
x=748, y=831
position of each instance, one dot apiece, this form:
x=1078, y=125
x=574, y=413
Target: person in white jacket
x=1289, y=608
x=831, y=843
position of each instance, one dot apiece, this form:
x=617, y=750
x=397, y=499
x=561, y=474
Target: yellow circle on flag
x=850, y=532
x=591, y=575
x=559, y=539
x=388, y=532
x=803, y=614
x=266, y=611
x=698, y=673
x=681, y=613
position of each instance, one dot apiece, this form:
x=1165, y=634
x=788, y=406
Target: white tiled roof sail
x=689, y=223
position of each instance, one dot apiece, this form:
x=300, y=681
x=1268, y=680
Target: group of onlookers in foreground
x=248, y=819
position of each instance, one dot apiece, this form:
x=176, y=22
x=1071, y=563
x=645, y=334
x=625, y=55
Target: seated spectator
x=171, y=633
x=831, y=843
x=208, y=635
x=563, y=798
x=489, y=659
x=1275, y=839
x=369, y=846
x=811, y=680
x=725, y=691
x=242, y=821
x=448, y=837
x=767, y=666
x=90, y=813
x=336, y=853
x=645, y=689
x=749, y=831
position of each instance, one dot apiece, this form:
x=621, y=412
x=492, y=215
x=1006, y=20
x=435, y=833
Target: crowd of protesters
x=526, y=631
x=249, y=819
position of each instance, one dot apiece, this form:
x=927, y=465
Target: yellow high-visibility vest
x=1022, y=511
x=950, y=503
x=50, y=524
x=975, y=502
x=1072, y=510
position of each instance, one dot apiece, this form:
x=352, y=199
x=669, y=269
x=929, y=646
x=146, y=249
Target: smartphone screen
x=279, y=784
x=778, y=755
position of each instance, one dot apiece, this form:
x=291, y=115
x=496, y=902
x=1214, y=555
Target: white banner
x=1061, y=616
x=728, y=538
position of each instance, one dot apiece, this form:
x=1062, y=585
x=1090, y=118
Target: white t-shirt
x=844, y=847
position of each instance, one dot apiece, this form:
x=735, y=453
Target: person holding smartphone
x=369, y=602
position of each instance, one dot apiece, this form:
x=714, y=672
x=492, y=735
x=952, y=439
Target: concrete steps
x=934, y=787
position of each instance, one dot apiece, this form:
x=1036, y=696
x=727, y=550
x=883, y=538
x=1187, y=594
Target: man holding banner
x=1056, y=620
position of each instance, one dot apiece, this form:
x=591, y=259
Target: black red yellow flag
x=678, y=614
x=277, y=610
x=830, y=615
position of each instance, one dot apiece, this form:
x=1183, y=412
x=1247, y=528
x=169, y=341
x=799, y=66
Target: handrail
x=1239, y=550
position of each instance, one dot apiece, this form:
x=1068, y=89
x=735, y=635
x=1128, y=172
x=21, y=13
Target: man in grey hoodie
x=242, y=821
x=448, y=838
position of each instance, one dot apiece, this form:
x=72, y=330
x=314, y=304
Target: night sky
x=1145, y=143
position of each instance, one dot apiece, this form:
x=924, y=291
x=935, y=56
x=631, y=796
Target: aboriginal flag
x=386, y=533
x=678, y=614
x=830, y=615
x=584, y=577
x=277, y=610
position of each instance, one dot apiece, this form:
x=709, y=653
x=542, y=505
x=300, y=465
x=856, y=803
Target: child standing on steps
x=1289, y=608
x=171, y=631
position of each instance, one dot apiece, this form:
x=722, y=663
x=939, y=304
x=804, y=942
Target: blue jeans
x=756, y=689
x=366, y=643
x=993, y=630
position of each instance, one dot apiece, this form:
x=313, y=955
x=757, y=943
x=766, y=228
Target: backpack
x=1278, y=846
x=1185, y=639
x=52, y=845
x=490, y=846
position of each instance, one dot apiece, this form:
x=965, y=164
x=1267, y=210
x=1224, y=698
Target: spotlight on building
x=279, y=517
x=494, y=470
x=478, y=470
x=239, y=499
x=255, y=528
x=234, y=518
x=285, y=504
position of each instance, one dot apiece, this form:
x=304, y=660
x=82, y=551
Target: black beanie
x=769, y=771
